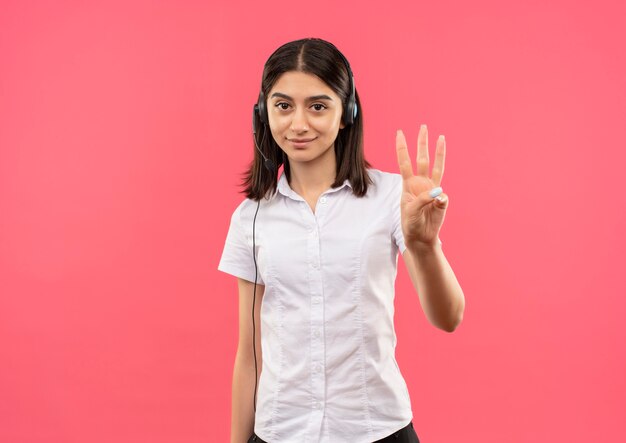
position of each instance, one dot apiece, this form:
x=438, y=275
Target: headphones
x=260, y=108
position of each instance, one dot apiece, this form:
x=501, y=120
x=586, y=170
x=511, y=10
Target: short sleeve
x=237, y=258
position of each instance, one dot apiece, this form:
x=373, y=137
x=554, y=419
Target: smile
x=300, y=142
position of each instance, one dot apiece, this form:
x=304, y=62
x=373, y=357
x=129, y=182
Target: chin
x=301, y=156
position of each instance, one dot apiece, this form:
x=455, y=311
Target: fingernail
x=443, y=139
x=435, y=192
x=423, y=127
x=440, y=198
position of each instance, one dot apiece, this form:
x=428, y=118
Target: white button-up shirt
x=329, y=372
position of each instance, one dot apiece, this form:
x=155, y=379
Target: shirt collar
x=285, y=189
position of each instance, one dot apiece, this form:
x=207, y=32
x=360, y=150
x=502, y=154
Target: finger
x=422, y=152
x=442, y=201
x=440, y=160
x=404, y=162
x=425, y=198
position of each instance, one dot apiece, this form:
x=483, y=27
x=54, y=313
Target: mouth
x=300, y=142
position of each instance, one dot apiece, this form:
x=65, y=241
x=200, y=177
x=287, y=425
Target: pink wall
x=125, y=126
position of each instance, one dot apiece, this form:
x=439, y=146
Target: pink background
x=124, y=131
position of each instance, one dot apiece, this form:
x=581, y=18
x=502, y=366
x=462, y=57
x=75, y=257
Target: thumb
x=435, y=195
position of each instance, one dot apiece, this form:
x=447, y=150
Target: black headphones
x=348, y=118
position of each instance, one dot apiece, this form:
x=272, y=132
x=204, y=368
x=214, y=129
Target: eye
x=283, y=106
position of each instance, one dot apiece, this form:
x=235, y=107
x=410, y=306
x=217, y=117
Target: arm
x=423, y=207
x=439, y=291
x=242, y=414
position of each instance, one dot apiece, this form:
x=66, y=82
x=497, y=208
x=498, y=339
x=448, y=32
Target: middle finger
x=422, y=152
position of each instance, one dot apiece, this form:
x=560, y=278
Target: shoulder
x=245, y=211
x=384, y=182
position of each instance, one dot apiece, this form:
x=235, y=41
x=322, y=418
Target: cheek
x=277, y=127
x=278, y=123
x=337, y=122
x=330, y=125
x=278, y=138
x=334, y=127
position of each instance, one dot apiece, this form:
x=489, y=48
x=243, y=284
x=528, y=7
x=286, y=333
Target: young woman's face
x=304, y=115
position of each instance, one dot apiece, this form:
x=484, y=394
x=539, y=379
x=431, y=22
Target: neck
x=313, y=177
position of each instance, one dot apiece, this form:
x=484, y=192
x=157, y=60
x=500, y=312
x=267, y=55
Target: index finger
x=404, y=162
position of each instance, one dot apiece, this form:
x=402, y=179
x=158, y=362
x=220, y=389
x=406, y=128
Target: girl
x=315, y=251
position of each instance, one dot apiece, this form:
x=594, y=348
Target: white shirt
x=329, y=372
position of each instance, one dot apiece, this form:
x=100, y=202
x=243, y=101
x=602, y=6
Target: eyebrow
x=312, y=98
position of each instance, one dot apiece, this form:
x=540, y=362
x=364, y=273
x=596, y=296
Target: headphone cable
x=256, y=370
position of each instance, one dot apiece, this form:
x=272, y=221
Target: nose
x=299, y=121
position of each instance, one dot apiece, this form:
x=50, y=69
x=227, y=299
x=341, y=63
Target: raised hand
x=423, y=204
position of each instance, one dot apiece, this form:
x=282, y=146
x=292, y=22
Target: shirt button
x=314, y=264
x=316, y=368
x=316, y=300
x=316, y=405
x=323, y=200
x=316, y=333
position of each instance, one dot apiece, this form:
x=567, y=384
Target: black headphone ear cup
x=255, y=112
x=262, y=106
x=349, y=113
x=349, y=116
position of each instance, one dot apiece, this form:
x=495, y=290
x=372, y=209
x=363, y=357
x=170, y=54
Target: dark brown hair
x=322, y=59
